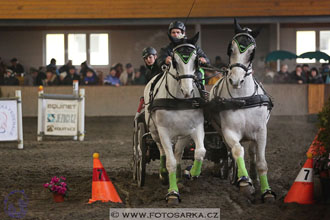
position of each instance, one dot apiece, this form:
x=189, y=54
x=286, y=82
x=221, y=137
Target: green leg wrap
x=264, y=183
x=178, y=173
x=241, y=168
x=196, y=169
x=173, y=185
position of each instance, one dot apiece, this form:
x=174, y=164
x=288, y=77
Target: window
x=78, y=47
x=325, y=43
x=55, y=48
x=306, y=42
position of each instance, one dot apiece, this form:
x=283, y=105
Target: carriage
x=145, y=151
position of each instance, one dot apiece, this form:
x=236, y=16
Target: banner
x=61, y=117
x=8, y=120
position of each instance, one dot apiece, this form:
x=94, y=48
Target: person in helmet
x=177, y=30
x=149, y=55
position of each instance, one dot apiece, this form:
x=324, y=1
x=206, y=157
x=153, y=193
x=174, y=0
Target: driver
x=177, y=30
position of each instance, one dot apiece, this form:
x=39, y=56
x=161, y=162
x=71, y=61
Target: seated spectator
x=119, y=69
x=111, y=78
x=69, y=78
x=90, y=78
x=218, y=62
x=10, y=78
x=83, y=69
x=51, y=78
x=65, y=68
x=127, y=77
x=297, y=77
x=314, y=77
x=139, y=77
x=41, y=75
x=52, y=65
x=282, y=76
x=305, y=71
x=30, y=79
x=16, y=67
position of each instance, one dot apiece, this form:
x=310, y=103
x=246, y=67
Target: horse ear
x=194, y=39
x=238, y=28
x=256, y=32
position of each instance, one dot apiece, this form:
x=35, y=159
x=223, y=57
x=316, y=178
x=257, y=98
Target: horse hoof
x=268, y=197
x=247, y=191
x=173, y=198
x=187, y=174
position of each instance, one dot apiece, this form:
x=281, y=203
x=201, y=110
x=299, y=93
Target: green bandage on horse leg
x=196, y=169
x=264, y=183
x=173, y=185
x=241, y=168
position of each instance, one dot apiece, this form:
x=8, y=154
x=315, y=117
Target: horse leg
x=252, y=156
x=173, y=196
x=267, y=194
x=178, y=152
x=163, y=173
x=244, y=182
x=198, y=137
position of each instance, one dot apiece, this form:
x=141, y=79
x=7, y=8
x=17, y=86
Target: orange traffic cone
x=102, y=188
x=302, y=190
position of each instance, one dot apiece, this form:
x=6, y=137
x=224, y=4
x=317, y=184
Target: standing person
x=177, y=30
x=52, y=65
x=127, y=77
x=16, y=67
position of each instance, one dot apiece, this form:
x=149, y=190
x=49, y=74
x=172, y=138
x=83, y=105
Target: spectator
x=139, y=78
x=2, y=72
x=127, y=77
x=65, y=68
x=83, y=69
x=282, y=76
x=61, y=78
x=90, y=78
x=30, y=79
x=325, y=71
x=51, y=78
x=41, y=75
x=52, y=65
x=297, y=77
x=10, y=78
x=305, y=71
x=111, y=78
x=119, y=69
x=16, y=67
x=314, y=77
x=218, y=62
x=69, y=78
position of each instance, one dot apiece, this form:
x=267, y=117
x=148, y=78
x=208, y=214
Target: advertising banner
x=8, y=120
x=61, y=117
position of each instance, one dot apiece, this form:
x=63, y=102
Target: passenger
x=149, y=55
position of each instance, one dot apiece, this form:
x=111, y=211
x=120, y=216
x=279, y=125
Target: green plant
x=324, y=125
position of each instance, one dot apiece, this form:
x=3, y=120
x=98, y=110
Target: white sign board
x=8, y=120
x=61, y=117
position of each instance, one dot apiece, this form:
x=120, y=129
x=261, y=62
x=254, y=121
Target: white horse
x=247, y=116
x=173, y=116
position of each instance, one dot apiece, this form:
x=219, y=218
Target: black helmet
x=178, y=25
x=148, y=51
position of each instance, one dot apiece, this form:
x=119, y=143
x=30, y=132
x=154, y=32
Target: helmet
x=148, y=51
x=178, y=25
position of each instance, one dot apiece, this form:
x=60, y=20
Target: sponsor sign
x=8, y=120
x=61, y=117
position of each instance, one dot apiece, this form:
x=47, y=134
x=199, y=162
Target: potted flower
x=322, y=164
x=58, y=187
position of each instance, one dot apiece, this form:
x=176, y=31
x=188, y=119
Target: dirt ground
x=29, y=169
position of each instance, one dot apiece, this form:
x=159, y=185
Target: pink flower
x=46, y=185
x=63, y=184
x=63, y=178
x=55, y=179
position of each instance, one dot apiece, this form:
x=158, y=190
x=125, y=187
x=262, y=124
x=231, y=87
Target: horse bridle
x=247, y=69
x=179, y=77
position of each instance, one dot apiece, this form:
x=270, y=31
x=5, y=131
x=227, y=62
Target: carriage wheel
x=141, y=151
x=135, y=154
x=232, y=169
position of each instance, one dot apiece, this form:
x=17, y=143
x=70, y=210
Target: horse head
x=241, y=52
x=184, y=63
